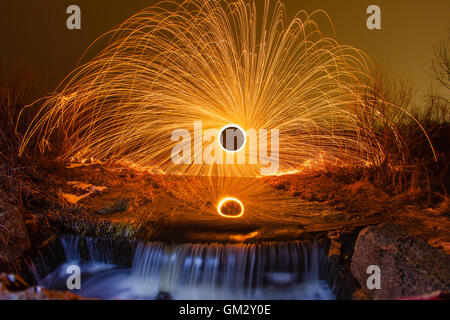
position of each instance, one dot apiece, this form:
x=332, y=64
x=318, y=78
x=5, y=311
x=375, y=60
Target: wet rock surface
x=409, y=266
x=339, y=277
x=37, y=293
x=13, y=287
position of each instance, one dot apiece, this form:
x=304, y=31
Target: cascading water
x=270, y=271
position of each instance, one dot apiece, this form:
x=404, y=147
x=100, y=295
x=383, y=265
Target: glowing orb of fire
x=237, y=134
x=231, y=208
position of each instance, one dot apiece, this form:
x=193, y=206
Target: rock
x=164, y=296
x=120, y=205
x=37, y=293
x=409, y=266
x=361, y=294
x=338, y=274
x=13, y=287
x=87, y=187
x=438, y=295
x=71, y=198
x=12, y=282
x=14, y=240
x=284, y=186
x=334, y=253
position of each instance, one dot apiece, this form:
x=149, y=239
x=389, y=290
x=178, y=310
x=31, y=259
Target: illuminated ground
x=118, y=202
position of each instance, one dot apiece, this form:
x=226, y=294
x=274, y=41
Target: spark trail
x=219, y=62
x=222, y=63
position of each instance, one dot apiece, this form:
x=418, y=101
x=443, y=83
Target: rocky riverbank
x=122, y=204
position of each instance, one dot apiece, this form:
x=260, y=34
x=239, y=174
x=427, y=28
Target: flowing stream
x=272, y=271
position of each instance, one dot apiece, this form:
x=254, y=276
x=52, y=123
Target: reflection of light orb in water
x=230, y=208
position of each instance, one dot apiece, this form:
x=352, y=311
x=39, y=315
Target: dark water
x=272, y=271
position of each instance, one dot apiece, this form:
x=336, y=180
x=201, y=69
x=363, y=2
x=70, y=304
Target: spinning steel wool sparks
x=228, y=150
x=221, y=63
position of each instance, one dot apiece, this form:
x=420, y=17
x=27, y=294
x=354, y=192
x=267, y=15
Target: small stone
x=164, y=296
x=119, y=205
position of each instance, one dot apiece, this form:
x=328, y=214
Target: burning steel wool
x=221, y=63
x=175, y=75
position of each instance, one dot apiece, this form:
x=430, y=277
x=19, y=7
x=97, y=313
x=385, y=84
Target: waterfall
x=221, y=271
x=71, y=245
x=278, y=270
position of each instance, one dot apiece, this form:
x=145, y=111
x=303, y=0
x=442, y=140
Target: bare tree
x=440, y=66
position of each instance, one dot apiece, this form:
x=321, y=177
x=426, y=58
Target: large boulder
x=409, y=266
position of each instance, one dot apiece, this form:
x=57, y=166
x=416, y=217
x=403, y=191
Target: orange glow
x=242, y=238
x=225, y=65
x=227, y=201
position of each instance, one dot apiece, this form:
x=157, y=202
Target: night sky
x=35, y=39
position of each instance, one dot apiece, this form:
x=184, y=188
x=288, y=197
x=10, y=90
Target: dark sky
x=35, y=38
